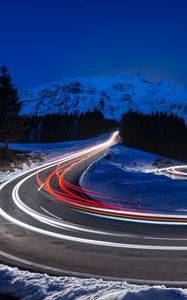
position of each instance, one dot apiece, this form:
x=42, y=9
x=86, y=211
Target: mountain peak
x=112, y=95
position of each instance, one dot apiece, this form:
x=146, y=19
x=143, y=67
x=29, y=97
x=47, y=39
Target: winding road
x=49, y=224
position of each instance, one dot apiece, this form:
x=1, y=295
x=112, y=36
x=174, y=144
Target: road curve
x=49, y=224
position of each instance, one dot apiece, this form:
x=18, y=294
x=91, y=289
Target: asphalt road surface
x=48, y=224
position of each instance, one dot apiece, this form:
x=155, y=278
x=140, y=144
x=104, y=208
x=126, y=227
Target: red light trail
x=74, y=196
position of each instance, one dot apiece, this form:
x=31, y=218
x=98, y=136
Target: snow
x=9, y=175
x=111, y=95
x=47, y=151
x=29, y=286
x=127, y=174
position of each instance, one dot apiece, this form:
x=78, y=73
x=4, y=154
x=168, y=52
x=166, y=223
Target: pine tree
x=10, y=122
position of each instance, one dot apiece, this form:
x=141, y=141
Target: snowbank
x=126, y=174
x=34, y=286
x=47, y=151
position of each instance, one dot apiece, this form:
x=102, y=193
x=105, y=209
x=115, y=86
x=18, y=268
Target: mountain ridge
x=113, y=96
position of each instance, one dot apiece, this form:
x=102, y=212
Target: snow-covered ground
x=113, y=96
x=47, y=151
x=125, y=173
x=34, y=286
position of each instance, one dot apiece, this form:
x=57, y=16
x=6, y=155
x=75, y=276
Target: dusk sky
x=45, y=40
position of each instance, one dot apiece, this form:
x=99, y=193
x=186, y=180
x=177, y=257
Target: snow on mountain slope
x=111, y=95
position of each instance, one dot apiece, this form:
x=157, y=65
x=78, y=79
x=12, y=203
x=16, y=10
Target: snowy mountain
x=111, y=95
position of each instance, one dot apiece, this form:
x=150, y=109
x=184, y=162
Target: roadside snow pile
x=17, y=171
x=47, y=151
x=111, y=95
x=34, y=286
x=126, y=175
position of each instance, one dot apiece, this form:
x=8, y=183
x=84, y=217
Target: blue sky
x=45, y=40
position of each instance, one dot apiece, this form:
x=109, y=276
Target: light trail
x=175, y=172
x=75, y=197
x=46, y=207
x=69, y=195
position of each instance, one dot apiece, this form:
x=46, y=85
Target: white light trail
x=53, y=222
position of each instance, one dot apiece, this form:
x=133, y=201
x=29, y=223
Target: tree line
x=159, y=132
x=70, y=127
